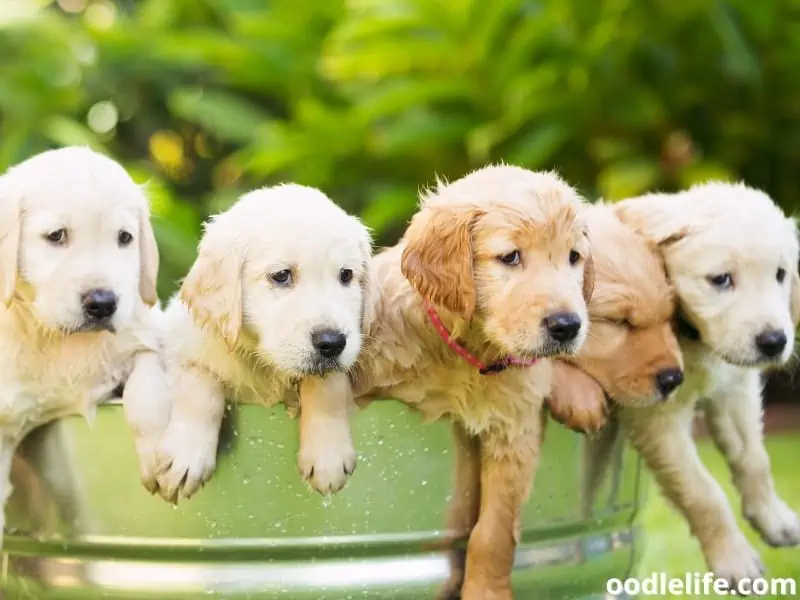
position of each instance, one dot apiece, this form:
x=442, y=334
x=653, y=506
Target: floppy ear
x=212, y=291
x=437, y=258
x=576, y=400
x=657, y=217
x=10, y=230
x=588, y=278
x=148, y=257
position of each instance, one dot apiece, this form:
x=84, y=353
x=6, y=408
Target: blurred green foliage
x=370, y=99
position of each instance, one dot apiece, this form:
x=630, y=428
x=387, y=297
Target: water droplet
x=326, y=500
x=424, y=482
x=245, y=480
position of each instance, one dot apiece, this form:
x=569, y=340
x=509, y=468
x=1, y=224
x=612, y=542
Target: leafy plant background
x=371, y=99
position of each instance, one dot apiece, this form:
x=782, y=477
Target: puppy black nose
x=771, y=342
x=329, y=343
x=99, y=304
x=563, y=326
x=667, y=380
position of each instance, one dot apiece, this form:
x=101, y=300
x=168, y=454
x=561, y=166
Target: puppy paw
x=327, y=457
x=734, y=560
x=147, y=452
x=576, y=400
x=776, y=523
x=185, y=460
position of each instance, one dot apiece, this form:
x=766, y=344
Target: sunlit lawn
x=669, y=548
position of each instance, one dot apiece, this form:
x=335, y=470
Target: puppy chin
x=95, y=326
x=553, y=348
x=320, y=366
x=643, y=400
x=84, y=326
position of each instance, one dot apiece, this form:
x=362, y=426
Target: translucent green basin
x=79, y=524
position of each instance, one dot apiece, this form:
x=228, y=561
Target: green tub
x=80, y=525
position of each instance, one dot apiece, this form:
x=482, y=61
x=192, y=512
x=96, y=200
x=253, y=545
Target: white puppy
x=273, y=307
x=732, y=256
x=78, y=267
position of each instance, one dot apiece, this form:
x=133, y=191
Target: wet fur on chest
x=406, y=359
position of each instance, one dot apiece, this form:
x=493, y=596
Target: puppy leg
x=464, y=506
x=187, y=453
x=598, y=452
x=664, y=440
x=506, y=478
x=147, y=409
x=326, y=457
x=576, y=400
x=734, y=422
x=8, y=447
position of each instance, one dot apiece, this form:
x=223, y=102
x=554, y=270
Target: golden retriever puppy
x=78, y=268
x=273, y=307
x=631, y=354
x=490, y=279
x=631, y=349
x=732, y=256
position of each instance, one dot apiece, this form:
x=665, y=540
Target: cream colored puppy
x=273, y=307
x=78, y=267
x=732, y=256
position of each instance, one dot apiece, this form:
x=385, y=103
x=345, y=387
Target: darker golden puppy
x=631, y=354
x=631, y=349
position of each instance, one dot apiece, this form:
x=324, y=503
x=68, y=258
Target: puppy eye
x=283, y=277
x=624, y=323
x=346, y=276
x=57, y=237
x=722, y=281
x=574, y=257
x=511, y=258
x=780, y=275
x=124, y=238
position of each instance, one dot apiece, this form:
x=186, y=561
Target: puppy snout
x=563, y=326
x=328, y=342
x=99, y=304
x=668, y=380
x=771, y=342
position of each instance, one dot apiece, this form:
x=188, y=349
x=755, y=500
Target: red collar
x=484, y=369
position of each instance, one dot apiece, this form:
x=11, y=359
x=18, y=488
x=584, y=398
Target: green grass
x=669, y=547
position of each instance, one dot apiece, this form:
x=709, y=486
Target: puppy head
x=76, y=244
x=506, y=248
x=631, y=349
x=284, y=273
x=732, y=256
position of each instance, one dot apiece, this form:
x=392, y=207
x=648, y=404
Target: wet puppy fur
x=732, y=256
x=78, y=271
x=271, y=311
x=504, y=257
x=631, y=356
